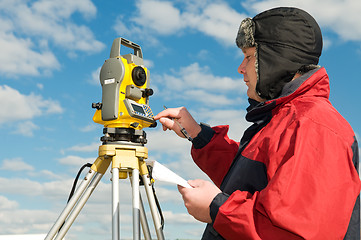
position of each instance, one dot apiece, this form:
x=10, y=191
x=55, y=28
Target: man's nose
x=241, y=68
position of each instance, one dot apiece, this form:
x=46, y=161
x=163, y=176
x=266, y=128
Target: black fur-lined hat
x=286, y=39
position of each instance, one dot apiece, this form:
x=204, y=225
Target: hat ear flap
x=256, y=65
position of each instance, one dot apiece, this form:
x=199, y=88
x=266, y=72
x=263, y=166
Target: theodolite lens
x=139, y=76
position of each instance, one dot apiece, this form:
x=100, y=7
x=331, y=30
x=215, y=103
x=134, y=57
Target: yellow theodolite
x=125, y=95
x=124, y=112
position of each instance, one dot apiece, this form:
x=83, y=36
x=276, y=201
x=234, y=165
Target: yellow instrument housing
x=125, y=97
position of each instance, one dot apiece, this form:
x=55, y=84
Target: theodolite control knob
x=153, y=125
x=97, y=105
x=148, y=92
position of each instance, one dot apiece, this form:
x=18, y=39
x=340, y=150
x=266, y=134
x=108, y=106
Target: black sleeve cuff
x=216, y=204
x=204, y=137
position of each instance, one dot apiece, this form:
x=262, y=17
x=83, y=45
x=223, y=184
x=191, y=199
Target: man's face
x=248, y=69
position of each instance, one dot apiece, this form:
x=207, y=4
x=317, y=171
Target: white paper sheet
x=162, y=173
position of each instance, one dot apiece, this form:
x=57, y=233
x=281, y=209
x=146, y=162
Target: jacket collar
x=312, y=83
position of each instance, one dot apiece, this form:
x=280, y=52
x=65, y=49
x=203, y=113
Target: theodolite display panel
x=140, y=111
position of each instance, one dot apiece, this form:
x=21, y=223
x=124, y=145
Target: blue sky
x=51, y=53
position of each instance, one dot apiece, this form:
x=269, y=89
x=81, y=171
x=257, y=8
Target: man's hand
x=183, y=117
x=198, y=198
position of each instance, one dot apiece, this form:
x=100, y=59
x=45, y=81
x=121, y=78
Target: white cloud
x=94, y=80
x=217, y=20
x=330, y=14
x=159, y=140
x=182, y=218
x=27, y=27
x=88, y=128
x=32, y=61
x=75, y=160
x=148, y=63
x=17, y=107
x=40, y=86
x=26, y=128
x=29, y=220
x=235, y=118
x=199, y=84
x=7, y=204
x=21, y=186
x=96, y=211
x=85, y=148
x=195, y=76
x=164, y=18
x=46, y=174
x=203, y=54
x=16, y=164
x=207, y=98
x=51, y=20
x=56, y=190
x=65, y=8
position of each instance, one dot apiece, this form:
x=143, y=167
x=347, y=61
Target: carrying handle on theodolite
x=115, y=51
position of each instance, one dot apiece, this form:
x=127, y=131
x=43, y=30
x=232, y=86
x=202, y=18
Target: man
x=294, y=173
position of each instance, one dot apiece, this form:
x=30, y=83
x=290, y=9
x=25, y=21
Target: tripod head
x=125, y=95
x=123, y=135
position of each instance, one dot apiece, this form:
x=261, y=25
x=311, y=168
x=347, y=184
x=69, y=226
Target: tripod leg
x=136, y=204
x=144, y=222
x=153, y=207
x=115, y=204
x=143, y=218
x=59, y=222
x=79, y=206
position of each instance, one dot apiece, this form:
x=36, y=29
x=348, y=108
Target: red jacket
x=292, y=176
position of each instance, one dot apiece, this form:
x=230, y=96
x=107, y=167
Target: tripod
x=124, y=149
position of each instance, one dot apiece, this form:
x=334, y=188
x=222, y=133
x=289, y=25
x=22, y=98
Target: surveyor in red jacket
x=293, y=175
